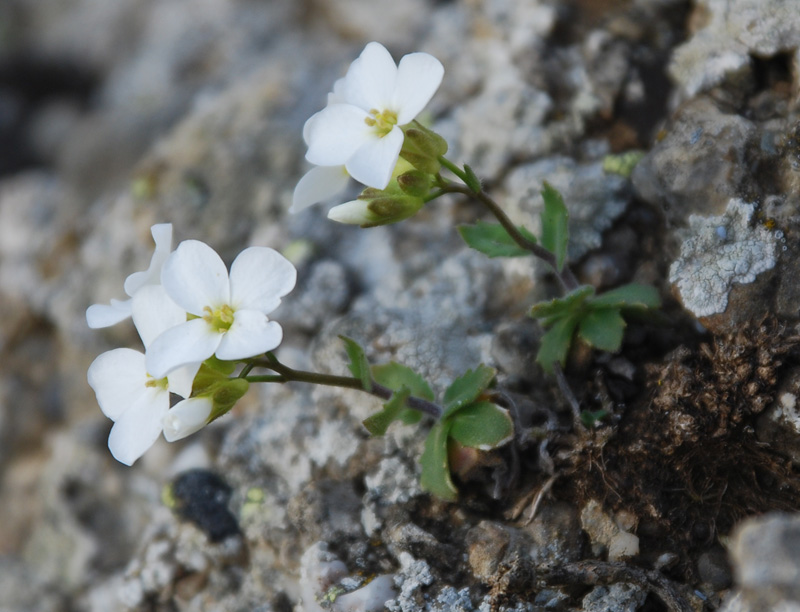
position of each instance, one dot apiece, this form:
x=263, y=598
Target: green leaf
x=589, y=418
x=602, y=329
x=378, y=423
x=558, y=308
x=466, y=388
x=556, y=342
x=435, y=477
x=359, y=366
x=396, y=376
x=628, y=296
x=555, y=231
x=471, y=179
x=481, y=425
x=493, y=240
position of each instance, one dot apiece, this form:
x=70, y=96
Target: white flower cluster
x=186, y=308
x=359, y=132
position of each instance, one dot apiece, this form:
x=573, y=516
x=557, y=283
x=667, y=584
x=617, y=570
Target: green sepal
x=557, y=308
x=602, y=328
x=224, y=396
x=378, y=423
x=435, y=477
x=471, y=179
x=415, y=183
x=422, y=148
x=358, y=366
x=555, y=344
x=555, y=225
x=211, y=372
x=391, y=209
x=628, y=296
x=482, y=425
x=493, y=240
x=466, y=388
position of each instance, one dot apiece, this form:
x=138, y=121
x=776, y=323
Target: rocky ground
x=118, y=115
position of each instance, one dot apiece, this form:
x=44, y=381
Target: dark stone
x=202, y=498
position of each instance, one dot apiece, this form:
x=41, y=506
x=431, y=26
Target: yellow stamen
x=382, y=121
x=220, y=319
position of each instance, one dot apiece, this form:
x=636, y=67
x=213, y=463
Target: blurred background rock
x=118, y=114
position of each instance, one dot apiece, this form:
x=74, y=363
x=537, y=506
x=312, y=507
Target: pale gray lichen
x=721, y=251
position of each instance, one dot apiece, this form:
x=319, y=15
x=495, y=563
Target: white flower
x=231, y=311
x=127, y=394
x=361, y=129
x=106, y=315
x=319, y=184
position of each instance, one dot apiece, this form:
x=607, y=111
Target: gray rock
x=615, y=598
x=606, y=534
x=730, y=35
x=718, y=252
x=557, y=535
x=764, y=554
x=594, y=198
x=699, y=165
x=714, y=569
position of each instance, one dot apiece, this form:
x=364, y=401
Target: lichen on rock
x=720, y=251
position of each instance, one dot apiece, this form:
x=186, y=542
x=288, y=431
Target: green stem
x=287, y=374
x=565, y=276
x=454, y=169
x=265, y=378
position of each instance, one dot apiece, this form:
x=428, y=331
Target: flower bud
x=422, y=148
x=415, y=183
x=382, y=210
x=186, y=417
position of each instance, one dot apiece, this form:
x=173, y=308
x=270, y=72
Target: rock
x=718, y=252
x=699, y=164
x=615, y=598
x=729, y=36
x=595, y=199
x=604, y=532
x=714, y=569
x=556, y=533
x=766, y=565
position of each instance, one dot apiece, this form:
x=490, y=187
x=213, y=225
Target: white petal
x=308, y=126
x=139, y=427
x=418, y=77
x=260, y=277
x=182, y=379
x=186, y=418
x=118, y=378
x=319, y=184
x=373, y=163
x=370, y=81
x=188, y=343
x=354, y=212
x=154, y=312
x=162, y=235
x=106, y=315
x=195, y=277
x=251, y=334
x=336, y=133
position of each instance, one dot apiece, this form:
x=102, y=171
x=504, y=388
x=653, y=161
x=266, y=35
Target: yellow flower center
x=220, y=319
x=382, y=121
x=160, y=383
